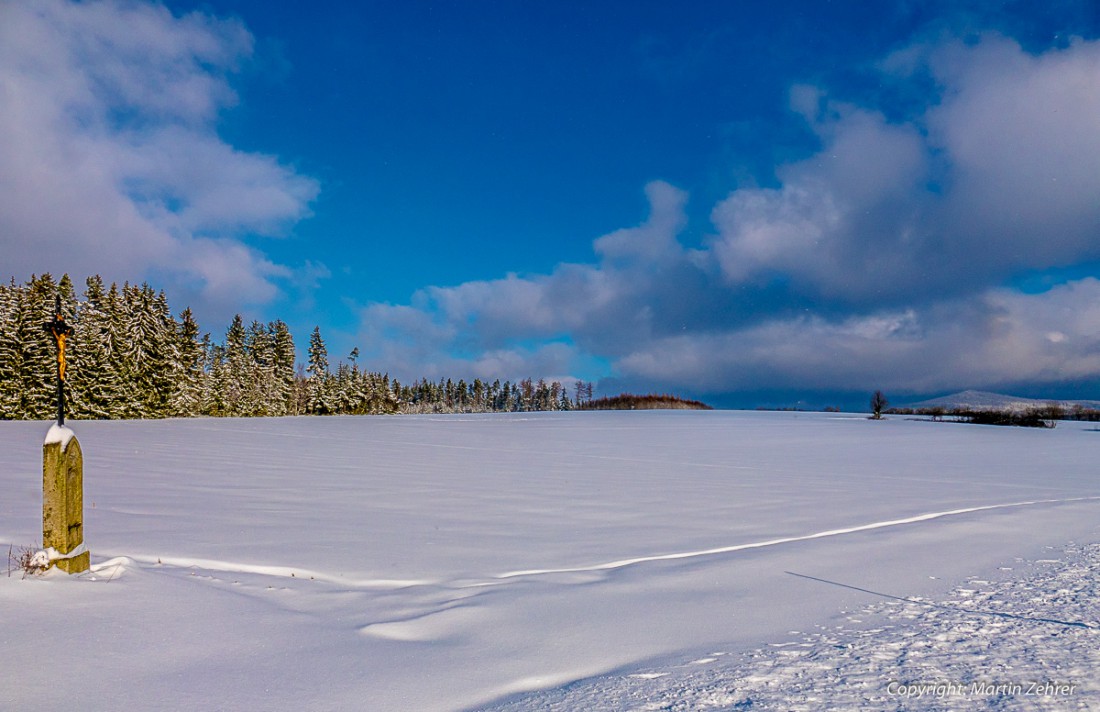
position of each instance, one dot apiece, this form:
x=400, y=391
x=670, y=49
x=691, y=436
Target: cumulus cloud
x=1023, y=147
x=996, y=179
x=844, y=223
x=111, y=160
x=879, y=261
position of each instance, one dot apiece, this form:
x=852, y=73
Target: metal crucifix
x=60, y=331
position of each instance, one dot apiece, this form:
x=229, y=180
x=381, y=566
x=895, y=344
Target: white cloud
x=1020, y=132
x=111, y=151
x=655, y=240
x=193, y=183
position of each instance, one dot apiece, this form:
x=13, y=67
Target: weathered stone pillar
x=63, y=501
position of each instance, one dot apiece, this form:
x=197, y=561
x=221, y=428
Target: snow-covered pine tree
x=189, y=369
x=93, y=376
x=236, y=375
x=449, y=397
x=462, y=396
x=344, y=390
x=285, y=379
x=214, y=402
x=542, y=395
x=318, y=398
x=385, y=394
x=365, y=395
x=9, y=361
x=526, y=400
x=395, y=391
x=147, y=354
x=564, y=403
x=261, y=390
x=555, y=395
x=477, y=396
x=67, y=292
x=130, y=353
x=360, y=391
x=494, y=400
x=114, y=310
x=165, y=354
x=36, y=353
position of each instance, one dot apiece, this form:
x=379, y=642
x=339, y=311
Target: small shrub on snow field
x=29, y=560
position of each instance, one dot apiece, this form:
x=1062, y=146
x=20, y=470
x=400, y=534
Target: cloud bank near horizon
x=883, y=260
x=112, y=162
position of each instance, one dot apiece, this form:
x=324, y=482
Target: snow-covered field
x=651, y=560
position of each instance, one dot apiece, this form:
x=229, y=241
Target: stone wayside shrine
x=62, y=475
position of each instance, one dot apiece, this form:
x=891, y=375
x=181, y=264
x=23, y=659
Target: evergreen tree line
x=479, y=396
x=130, y=357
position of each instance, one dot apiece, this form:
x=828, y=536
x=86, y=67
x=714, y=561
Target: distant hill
x=628, y=401
x=983, y=400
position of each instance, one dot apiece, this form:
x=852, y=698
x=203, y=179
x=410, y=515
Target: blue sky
x=752, y=203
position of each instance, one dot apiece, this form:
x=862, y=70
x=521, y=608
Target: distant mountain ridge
x=984, y=400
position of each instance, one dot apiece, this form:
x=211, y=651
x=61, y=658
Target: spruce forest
x=129, y=357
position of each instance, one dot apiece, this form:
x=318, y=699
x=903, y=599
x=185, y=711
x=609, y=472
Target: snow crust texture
x=1027, y=638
